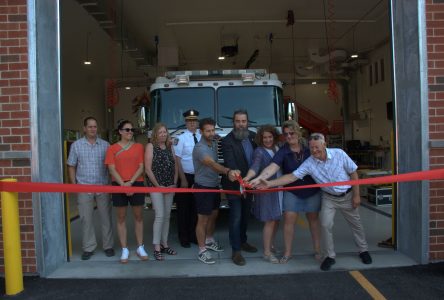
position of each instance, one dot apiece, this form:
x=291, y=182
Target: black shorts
x=121, y=200
x=206, y=202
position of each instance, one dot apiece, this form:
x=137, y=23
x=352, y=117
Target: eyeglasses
x=128, y=129
x=316, y=136
x=290, y=133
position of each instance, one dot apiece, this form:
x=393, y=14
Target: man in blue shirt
x=330, y=165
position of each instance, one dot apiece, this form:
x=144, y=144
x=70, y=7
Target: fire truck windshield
x=261, y=102
x=170, y=104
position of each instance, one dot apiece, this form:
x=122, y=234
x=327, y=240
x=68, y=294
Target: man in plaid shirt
x=86, y=166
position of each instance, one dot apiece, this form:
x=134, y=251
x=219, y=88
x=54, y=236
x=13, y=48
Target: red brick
x=10, y=74
x=434, y=24
x=9, y=42
x=11, y=123
x=17, y=50
x=21, y=147
x=25, y=131
x=11, y=107
x=18, y=66
x=438, y=32
x=19, y=114
x=12, y=139
x=10, y=90
x=22, y=33
x=12, y=171
x=18, y=82
x=436, y=55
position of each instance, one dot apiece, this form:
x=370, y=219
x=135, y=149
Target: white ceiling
x=199, y=28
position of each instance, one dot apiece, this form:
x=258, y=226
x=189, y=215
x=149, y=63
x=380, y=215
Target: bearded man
x=237, y=150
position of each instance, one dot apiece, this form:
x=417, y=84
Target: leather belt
x=340, y=195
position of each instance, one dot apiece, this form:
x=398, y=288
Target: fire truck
x=217, y=94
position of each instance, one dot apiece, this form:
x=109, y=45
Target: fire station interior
x=334, y=61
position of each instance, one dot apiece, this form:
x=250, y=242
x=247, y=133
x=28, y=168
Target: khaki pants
x=344, y=204
x=85, y=202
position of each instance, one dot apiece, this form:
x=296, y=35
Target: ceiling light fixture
x=127, y=88
x=354, y=55
x=221, y=58
x=87, y=61
x=314, y=82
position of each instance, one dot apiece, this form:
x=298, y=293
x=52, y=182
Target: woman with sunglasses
x=266, y=207
x=125, y=164
x=292, y=154
x=162, y=171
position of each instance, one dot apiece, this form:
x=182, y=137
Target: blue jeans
x=239, y=214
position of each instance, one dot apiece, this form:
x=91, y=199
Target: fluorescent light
x=87, y=62
x=127, y=88
x=314, y=82
x=354, y=56
x=221, y=58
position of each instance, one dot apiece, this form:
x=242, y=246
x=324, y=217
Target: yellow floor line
x=370, y=288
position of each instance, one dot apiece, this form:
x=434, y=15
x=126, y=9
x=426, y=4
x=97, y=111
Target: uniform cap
x=191, y=114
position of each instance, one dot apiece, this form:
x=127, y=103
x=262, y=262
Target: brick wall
x=14, y=117
x=435, y=53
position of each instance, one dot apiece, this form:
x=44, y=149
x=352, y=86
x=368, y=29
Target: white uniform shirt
x=184, y=149
x=337, y=167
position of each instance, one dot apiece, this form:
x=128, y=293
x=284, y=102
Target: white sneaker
x=141, y=253
x=124, y=256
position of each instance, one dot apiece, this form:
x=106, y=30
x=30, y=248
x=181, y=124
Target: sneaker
x=327, y=263
x=365, y=257
x=214, y=246
x=206, y=258
x=87, y=255
x=124, y=256
x=141, y=253
x=271, y=258
x=248, y=248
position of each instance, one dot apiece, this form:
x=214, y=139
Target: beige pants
x=162, y=203
x=85, y=202
x=344, y=204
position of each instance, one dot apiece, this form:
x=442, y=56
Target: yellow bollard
x=11, y=242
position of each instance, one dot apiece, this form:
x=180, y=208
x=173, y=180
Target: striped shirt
x=337, y=167
x=89, y=161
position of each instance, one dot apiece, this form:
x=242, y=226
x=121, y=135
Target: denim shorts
x=291, y=202
x=206, y=202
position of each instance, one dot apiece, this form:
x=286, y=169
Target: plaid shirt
x=337, y=167
x=89, y=161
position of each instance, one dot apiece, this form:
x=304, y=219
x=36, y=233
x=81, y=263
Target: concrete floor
x=376, y=221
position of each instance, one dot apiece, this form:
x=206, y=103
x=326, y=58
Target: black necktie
x=195, y=138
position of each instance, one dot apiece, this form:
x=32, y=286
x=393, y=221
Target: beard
x=241, y=133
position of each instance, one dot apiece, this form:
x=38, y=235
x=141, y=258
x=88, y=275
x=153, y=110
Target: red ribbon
x=43, y=187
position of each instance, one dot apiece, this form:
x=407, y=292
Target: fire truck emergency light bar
x=219, y=73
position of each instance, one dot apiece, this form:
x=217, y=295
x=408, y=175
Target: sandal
x=284, y=259
x=167, y=250
x=158, y=255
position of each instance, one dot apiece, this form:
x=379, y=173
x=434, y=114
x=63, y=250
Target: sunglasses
x=316, y=136
x=129, y=129
x=290, y=133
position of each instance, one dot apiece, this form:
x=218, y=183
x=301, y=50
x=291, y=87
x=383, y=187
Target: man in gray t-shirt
x=206, y=176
